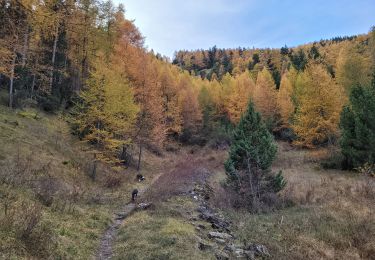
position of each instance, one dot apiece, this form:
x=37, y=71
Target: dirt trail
x=105, y=250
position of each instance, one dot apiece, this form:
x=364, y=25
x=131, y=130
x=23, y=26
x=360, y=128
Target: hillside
x=110, y=151
x=216, y=62
x=53, y=203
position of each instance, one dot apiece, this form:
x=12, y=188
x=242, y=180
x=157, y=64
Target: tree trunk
x=33, y=85
x=12, y=81
x=25, y=47
x=139, y=157
x=252, y=189
x=53, y=57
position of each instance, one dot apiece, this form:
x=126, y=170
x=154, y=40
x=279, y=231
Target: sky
x=171, y=25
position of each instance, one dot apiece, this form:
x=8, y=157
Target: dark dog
x=134, y=194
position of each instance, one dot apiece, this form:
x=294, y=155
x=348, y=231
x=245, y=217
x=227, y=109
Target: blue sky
x=170, y=25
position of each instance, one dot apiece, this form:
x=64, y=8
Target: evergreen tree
x=251, y=154
x=299, y=60
x=358, y=128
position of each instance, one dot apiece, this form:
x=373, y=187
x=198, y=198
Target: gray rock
x=204, y=245
x=201, y=226
x=143, y=206
x=220, y=255
x=219, y=235
x=259, y=250
x=230, y=248
x=216, y=221
x=249, y=254
x=220, y=241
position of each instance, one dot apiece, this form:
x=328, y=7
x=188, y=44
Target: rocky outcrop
x=216, y=220
x=219, y=239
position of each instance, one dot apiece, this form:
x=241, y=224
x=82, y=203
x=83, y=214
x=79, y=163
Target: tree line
x=86, y=56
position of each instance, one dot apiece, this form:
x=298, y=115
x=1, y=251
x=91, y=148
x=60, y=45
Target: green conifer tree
x=358, y=128
x=251, y=154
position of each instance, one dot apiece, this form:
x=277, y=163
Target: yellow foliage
x=320, y=102
x=265, y=95
x=111, y=110
x=352, y=69
x=284, y=100
x=241, y=90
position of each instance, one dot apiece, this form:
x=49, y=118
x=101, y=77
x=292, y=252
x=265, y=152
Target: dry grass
x=332, y=217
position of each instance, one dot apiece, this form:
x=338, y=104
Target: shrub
x=46, y=190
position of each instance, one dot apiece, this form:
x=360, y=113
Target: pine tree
x=251, y=154
x=358, y=128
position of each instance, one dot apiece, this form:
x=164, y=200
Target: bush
x=49, y=103
x=22, y=221
x=335, y=161
x=46, y=190
x=112, y=181
x=286, y=134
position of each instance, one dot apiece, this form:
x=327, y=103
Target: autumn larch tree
x=241, y=90
x=265, y=97
x=285, y=101
x=320, y=101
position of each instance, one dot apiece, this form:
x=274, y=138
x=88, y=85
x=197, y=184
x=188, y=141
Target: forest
x=84, y=64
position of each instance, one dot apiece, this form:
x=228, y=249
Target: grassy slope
x=38, y=153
